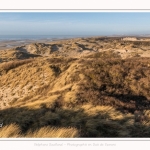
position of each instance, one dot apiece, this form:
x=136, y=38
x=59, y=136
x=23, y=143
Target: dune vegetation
x=98, y=94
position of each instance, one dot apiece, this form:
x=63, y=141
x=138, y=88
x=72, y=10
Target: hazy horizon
x=75, y=23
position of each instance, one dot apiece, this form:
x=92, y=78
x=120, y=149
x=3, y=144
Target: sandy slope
x=80, y=47
x=95, y=87
x=26, y=80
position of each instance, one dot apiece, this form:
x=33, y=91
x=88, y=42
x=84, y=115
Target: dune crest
x=92, y=87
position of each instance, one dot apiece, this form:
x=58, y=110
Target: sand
x=76, y=48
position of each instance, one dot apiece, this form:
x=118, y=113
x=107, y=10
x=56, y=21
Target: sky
x=74, y=23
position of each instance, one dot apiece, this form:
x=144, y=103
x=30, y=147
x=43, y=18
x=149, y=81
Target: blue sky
x=74, y=23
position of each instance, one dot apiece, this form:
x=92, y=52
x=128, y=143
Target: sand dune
x=93, y=85
x=125, y=47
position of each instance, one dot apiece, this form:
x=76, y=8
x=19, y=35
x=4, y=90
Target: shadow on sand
x=99, y=124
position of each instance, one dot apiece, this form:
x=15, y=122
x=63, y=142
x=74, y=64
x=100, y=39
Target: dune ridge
x=92, y=87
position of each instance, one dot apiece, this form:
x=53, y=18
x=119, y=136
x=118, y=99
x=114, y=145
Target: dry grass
x=13, y=64
x=100, y=95
x=96, y=103
x=52, y=132
x=84, y=121
x=10, y=131
x=13, y=131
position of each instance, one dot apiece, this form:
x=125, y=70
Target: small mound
x=12, y=54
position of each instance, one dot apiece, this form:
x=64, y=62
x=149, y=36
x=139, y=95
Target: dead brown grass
x=100, y=95
x=10, y=131
x=13, y=131
x=53, y=132
x=6, y=66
